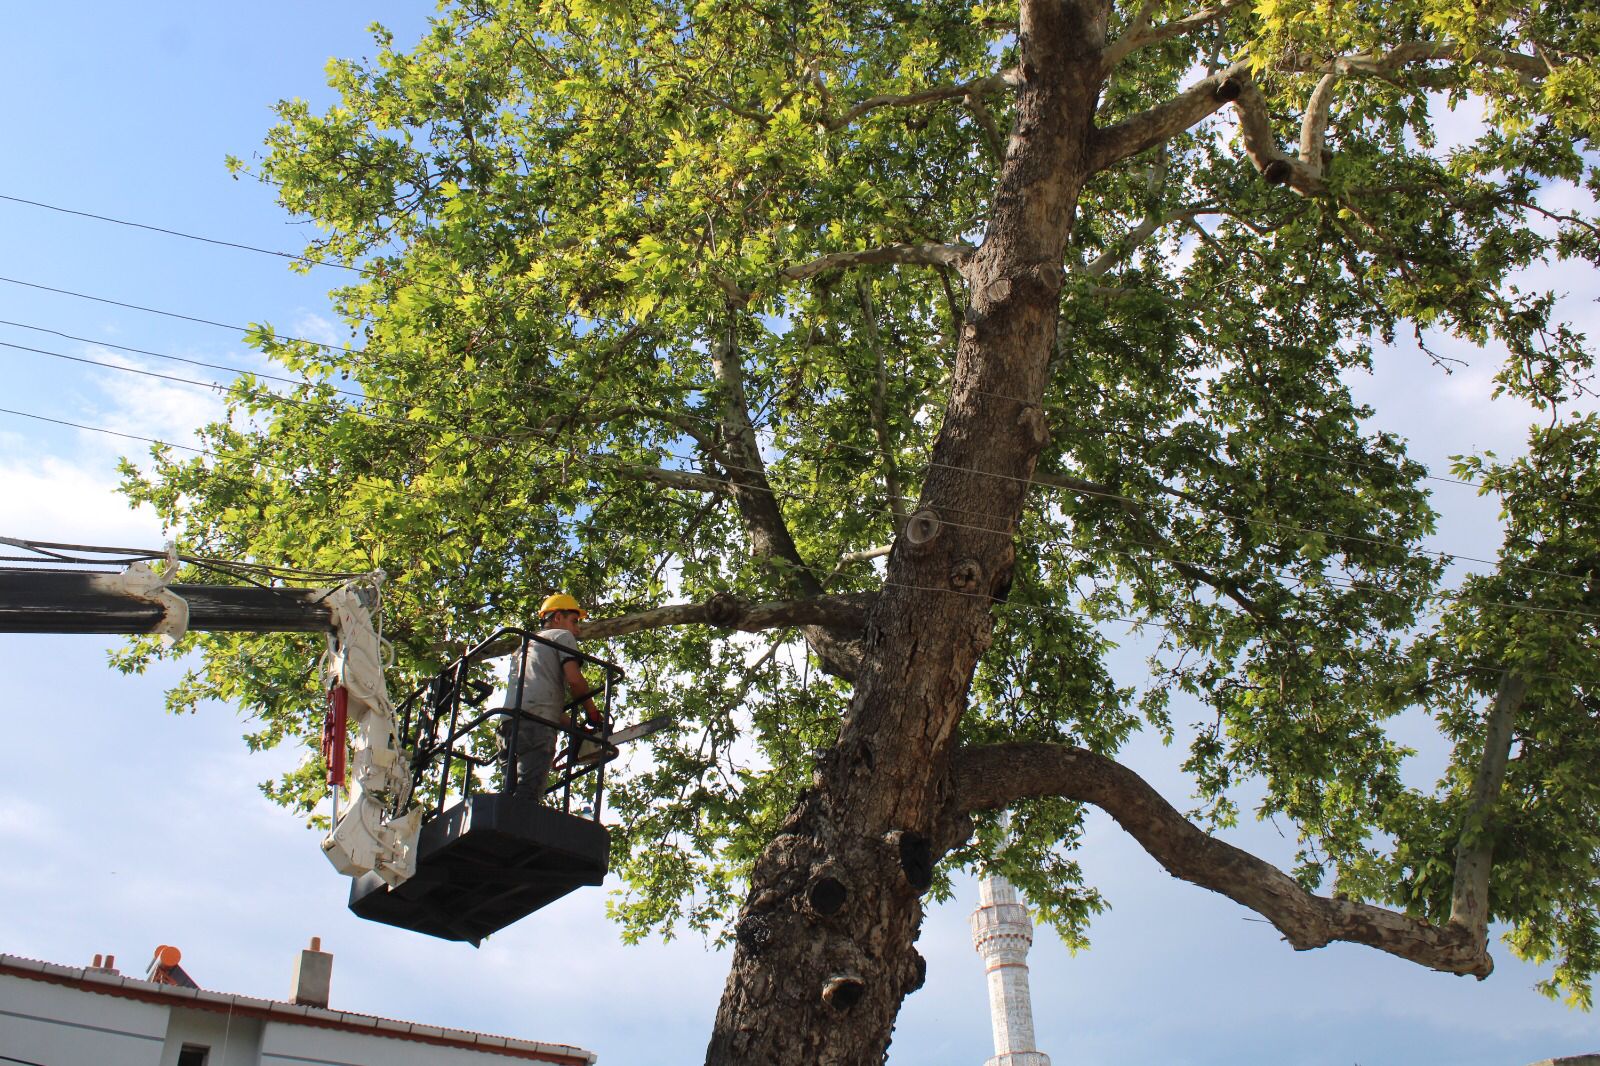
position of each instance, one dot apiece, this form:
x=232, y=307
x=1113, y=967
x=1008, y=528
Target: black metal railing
x=440, y=725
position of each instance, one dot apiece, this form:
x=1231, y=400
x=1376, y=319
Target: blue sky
x=123, y=827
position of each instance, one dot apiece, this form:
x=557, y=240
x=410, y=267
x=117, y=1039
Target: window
x=194, y=1055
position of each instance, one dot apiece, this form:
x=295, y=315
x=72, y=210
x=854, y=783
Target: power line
x=308, y=260
x=377, y=272
x=221, y=456
x=181, y=317
x=367, y=271
x=883, y=583
x=612, y=534
x=352, y=351
x=574, y=394
x=1079, y=490
x=171, y=358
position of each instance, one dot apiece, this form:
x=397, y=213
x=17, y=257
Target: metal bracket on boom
x=142, y=583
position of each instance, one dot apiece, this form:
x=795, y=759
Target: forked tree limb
x=996, y=776
x=1141, y=35
x=1166, y=120
x=1261, y=145
x=1302, y=172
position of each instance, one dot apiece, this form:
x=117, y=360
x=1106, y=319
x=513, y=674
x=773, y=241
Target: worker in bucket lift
x=547, y=677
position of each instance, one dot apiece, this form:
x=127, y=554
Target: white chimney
x=313, y=975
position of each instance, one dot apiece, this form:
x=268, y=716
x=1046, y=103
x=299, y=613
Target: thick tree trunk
x=824, y=951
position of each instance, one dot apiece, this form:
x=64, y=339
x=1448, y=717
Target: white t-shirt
x=546, y=687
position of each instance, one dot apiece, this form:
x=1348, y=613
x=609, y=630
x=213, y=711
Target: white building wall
x=231, y=1040
x=298, y=1045
x=61, y=1018
x=57, y=1025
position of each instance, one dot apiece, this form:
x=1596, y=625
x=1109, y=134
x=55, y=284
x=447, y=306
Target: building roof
x=110, y=983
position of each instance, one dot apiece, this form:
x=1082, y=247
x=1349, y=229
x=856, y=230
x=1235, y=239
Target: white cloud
x=154, y=407
x=59, y=499
x=321, y=329
x=23, y=821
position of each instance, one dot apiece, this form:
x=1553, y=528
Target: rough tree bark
x=824, y=952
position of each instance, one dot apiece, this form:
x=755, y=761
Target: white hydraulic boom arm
x=378, y=829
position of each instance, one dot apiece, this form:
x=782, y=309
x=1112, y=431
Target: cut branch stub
x=843, y=991
x=916, y=858
x=922, y=527
x=919, y=972
x=1034, y=424
x=826, y=895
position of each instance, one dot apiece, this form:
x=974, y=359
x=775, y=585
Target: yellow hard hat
x=560, y=601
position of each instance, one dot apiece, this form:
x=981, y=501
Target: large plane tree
x=866, y=367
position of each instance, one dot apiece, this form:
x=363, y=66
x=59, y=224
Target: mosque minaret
x=1003, y=934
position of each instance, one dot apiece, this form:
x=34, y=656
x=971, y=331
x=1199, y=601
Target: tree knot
x=724, y=610
x=965, y=575
x=1032, y=421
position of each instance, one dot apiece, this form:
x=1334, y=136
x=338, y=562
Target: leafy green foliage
x=570, y=213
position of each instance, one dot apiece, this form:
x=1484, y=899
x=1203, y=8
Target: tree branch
x=689, y=425
x=1135, y=37
x=1152, y=223
x=1530, y=68
x=1149, y=128
x=842, y=613
x=1261, y=145
x=1469, y=902
x=1314, y=127
x=1133, y=512
x=842, y=616
x=770, y=538
x=992, y=137
x=996, y=776
x=687, y=480
x=911, y=254
x=880, y=416
x=1232, y=84
x=992, y=83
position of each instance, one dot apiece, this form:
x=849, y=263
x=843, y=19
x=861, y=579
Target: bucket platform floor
x=488, y=861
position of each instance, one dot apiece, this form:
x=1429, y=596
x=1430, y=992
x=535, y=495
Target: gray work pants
x=535, y=749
